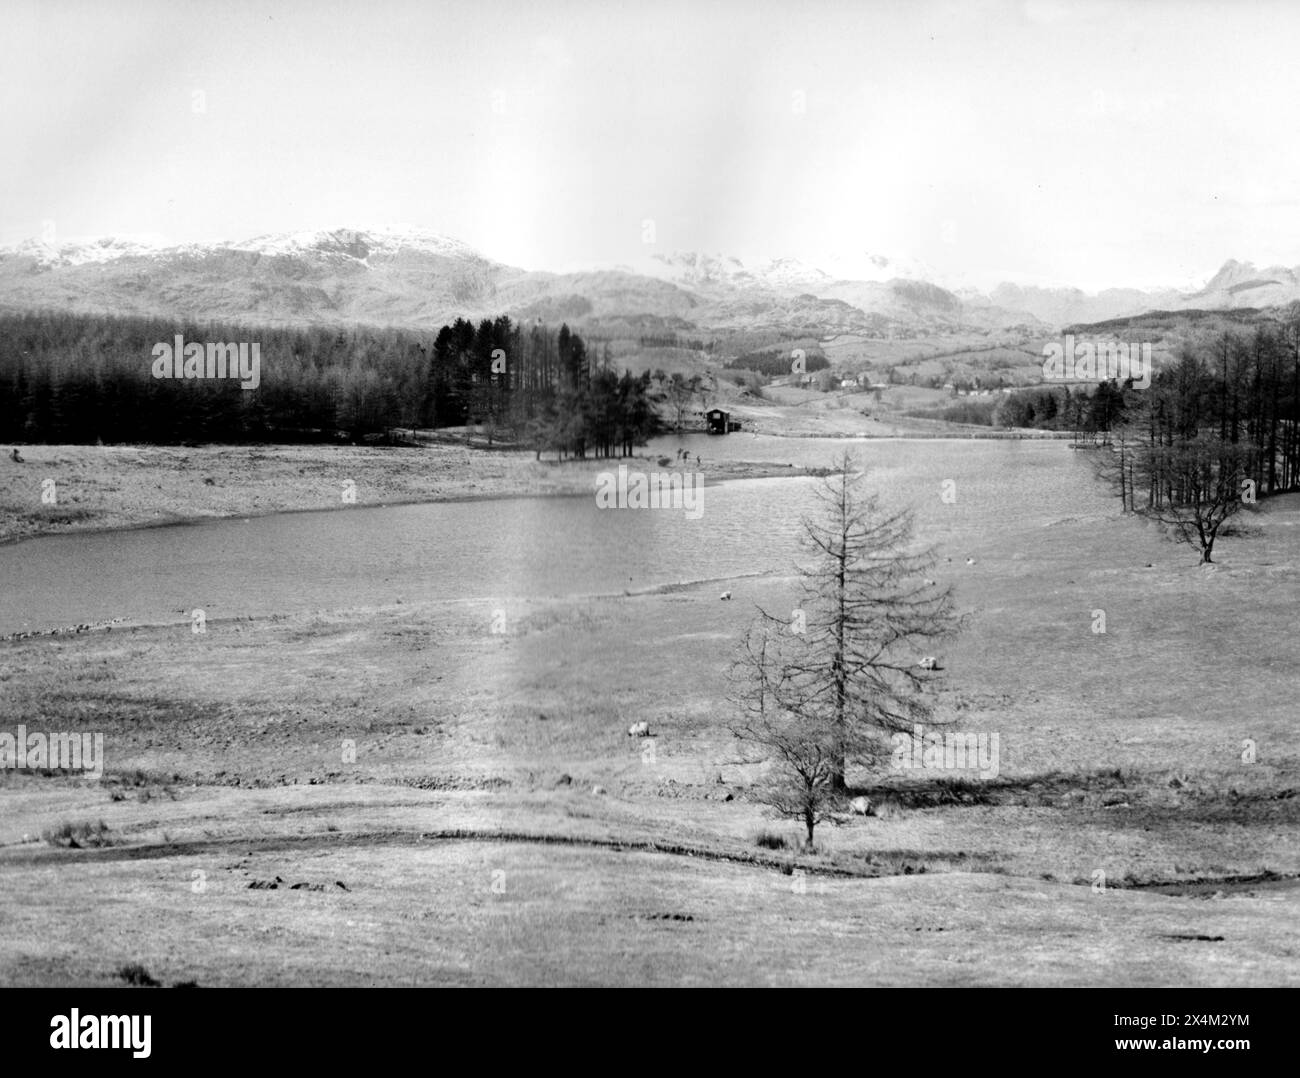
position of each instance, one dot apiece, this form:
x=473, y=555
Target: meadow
x=399, y=795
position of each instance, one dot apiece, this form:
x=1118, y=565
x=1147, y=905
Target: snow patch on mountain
x=77, y=251
x=339, y=243
x=357, y=244
x=783, y=274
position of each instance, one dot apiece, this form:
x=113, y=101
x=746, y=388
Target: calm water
x=528, y=546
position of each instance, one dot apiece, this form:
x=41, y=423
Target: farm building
x=720, y=422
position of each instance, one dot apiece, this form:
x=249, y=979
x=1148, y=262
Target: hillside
x=867, y=314
x=418, y=279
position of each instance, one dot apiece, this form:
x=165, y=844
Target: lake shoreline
x=101, y=489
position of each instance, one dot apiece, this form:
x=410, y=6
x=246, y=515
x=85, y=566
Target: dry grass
x=1121, y=778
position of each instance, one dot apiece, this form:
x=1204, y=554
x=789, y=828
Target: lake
x=530, y=547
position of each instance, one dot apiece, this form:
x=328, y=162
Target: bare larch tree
x=825, y=688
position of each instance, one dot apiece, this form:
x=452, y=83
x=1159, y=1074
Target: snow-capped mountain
x=700, y=270
x=79, y=251
x=342, y=242
x=356, y=244
x=782, y=274
x=421, y=278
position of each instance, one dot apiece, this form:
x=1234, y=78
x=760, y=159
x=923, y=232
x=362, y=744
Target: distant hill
x=1175, y=323
x=419, y=279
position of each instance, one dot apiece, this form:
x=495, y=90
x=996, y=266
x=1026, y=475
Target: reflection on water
x=527, y=546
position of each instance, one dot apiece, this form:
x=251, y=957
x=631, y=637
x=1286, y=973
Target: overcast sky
x=1060, y=143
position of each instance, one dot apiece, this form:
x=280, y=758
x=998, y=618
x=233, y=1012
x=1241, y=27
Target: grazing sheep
x=970, y=561
x=928, y=582
x=639, y=729
x=860, y=806
x=725, y=596
x=597, y=790
x=929, y=663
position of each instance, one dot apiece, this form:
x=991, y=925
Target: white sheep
x=725, y=596
x=929, y=663
x=639, y=729
x=860, y=806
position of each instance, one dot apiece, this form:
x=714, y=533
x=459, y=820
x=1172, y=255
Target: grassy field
x=462, y=840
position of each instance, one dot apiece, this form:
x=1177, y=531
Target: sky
x=1081, y=143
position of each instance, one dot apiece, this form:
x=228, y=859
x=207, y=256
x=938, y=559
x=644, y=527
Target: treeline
x=543, y=387
x=1225, y=413
x=85, y=378
x=1226, y=410
x=1236, y=391
x=1062, y=408
x=671, y=340
x=972, y=411
x=775, y=364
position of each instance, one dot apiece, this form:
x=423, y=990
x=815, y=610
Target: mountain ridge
x=419, y=278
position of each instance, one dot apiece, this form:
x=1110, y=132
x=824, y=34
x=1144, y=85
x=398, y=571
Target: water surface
x=530, y=547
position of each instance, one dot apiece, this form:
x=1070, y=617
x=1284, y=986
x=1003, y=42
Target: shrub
x=971, y=412
x=79, y=835
x=136, y=974
x=884, y=808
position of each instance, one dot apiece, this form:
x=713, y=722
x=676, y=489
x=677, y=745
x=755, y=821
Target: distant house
x=720, y=422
